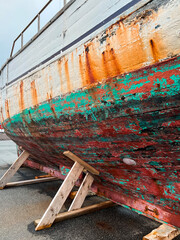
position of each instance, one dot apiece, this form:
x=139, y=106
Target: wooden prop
x=55, y=206
x=60, y=197
x=82, y=192
x=163, y=232
x=80, y=161
x=13, y=169
x=79, y=212
x=31, y=181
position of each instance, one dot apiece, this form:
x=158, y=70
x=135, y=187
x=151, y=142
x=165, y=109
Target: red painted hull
x=141, y=124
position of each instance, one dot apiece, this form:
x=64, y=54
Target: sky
x=15, y=15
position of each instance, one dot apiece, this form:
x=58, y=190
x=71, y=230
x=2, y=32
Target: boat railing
x=38, y=18
x=14, y=52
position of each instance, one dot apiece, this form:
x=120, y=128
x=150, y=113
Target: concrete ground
x=20, y=206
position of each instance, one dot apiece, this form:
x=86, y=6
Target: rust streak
x=67, y=76
x=51, y=88
x=47, y=96
x=7, y=108
x=116, y=63
x=104, y=63
x=89, y=71
x=2, y=114
x=21, y=100
x=154, y=50
x=60, y=74
x=34, y=93
x=72, y=58
x=81, y=69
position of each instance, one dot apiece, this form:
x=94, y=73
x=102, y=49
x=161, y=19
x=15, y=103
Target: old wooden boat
x=102, y=80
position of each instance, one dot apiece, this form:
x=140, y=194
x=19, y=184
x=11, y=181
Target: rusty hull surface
x=102, y=126
x=101, y=103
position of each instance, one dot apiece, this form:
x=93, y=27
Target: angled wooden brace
x=55, y=206
x=14, y=168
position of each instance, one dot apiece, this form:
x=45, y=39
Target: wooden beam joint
x=80, y=161
x=58, y=201
x=79, y=212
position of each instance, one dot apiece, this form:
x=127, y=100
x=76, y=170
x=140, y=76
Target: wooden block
x=163, y=232
x=79, y=212
x=80, y=161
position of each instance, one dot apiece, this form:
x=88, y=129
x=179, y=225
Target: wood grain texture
x=80, y=161
x=79, y=212
x=13, y=169
x=31, y=181
x=60, y=197
x=81, y=193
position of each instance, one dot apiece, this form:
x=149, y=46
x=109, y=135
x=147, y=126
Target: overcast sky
x=15, y=16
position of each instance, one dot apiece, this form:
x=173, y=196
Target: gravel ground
x=20, y=206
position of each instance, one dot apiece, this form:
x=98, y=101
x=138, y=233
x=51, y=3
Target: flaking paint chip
x=129, y=161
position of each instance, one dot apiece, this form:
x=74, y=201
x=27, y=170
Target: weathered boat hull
x=110, y=94
x=107, y=123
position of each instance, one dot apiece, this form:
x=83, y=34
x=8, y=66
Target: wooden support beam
x=56, y=204
x=32, y=181
x=80, y=161
x=163, y=232
x=82, y=192
x=60, y=197
x=13, y=169
x=79, y=212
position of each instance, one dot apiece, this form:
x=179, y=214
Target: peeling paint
x=114, y=97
